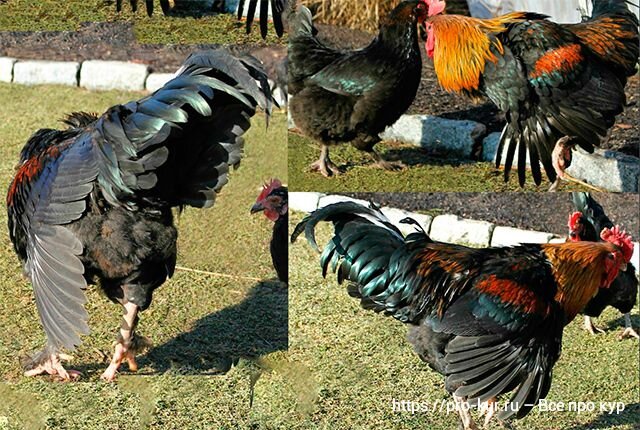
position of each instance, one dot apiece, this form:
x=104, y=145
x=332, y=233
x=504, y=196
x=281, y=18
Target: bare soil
x=531, y=211
x=104, y=41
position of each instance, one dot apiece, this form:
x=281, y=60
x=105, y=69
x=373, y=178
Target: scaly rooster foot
x=628, y=333
x=488, y=410
x=122, y=353
x=591, y=328
x=325, y=167
x=52, y=365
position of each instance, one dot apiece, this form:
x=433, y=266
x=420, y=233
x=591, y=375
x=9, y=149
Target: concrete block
x=438, y=135
x=453, y=229
x=6, y=69
x=113, y=75
x=155, y=81
x=507, y=236
x=304, y=202
x=610, y=170
x=46, y=72
x=397, y=215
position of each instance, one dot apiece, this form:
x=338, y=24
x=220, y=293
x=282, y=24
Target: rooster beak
x=258, y=207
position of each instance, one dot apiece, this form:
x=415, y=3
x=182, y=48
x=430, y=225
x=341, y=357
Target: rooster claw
x=326, y=168
x=628, y=333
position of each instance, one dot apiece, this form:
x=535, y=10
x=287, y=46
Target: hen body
x=352, y=96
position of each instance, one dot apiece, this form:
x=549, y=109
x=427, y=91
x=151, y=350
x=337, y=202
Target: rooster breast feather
x=173, y=147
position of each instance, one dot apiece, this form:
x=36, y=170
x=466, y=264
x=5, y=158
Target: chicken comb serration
x=268, y=188
x=573, y=220
x=435, y=7
x=621, y=239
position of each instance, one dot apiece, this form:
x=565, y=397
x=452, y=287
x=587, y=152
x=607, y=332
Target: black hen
x=352, y=96
x=93, y=202
x=274, y=202
x=586, y=224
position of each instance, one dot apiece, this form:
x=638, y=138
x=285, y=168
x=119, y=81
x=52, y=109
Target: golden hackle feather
x=463, y=46
x=579, y=271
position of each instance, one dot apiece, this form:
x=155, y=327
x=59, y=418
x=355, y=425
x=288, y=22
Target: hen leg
x=127, y=345
x=385, y=164
x=590, y=326
x=628, y=331
x=324, y=165
x=50, y=362
x=463, y=409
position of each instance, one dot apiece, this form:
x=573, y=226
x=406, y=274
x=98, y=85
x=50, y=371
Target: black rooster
x=586, y=224
x=93, y=202
x=352, y=96
x=490, y=320
x=274, y=202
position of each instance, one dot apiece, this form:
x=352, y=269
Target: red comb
x=435, y=6
x=621, y=239
x=268, y=188
x=573, y=219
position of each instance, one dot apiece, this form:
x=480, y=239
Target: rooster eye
x=610, y=256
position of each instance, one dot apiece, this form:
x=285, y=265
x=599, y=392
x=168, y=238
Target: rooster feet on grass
x=324, y=165
x=127, y=345
x=47, y=362
x=629, y=332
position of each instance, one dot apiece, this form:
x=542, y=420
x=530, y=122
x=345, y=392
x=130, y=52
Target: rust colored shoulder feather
x=463, y=45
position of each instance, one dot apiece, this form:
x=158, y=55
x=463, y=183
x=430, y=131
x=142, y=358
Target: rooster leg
x=628, y=331
x=127, y=345
x=385, y=164
x=590, y=327
x=324, y=165
x=561, y=159
x=50, y=362
x=465, y=415
x=488, y=409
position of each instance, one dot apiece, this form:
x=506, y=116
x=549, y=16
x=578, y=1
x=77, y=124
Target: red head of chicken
x=272, y=200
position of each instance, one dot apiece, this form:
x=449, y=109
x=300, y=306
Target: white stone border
x=444, y=228
x=90, y=74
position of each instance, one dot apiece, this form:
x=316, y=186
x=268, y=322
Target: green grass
x=30, y=15
x=361, y=361
x=200, y=324
x=424, y=174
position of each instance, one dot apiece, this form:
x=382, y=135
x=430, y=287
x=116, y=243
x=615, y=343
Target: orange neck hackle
x=460, y=47
x=582, y=268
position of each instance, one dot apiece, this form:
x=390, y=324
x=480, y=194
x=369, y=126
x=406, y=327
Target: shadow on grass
x=606, y=420
x=619, y=323
x=255, y=327
x=415, y=156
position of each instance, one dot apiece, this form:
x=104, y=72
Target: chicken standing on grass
x=490, y=320
x=560, y=85
x=93, y=202
x=274, y=202
x=352, y=96
x=587, y=224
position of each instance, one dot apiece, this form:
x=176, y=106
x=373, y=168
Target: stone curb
x=113, y=75
x=439, y=135
x=91, y=74
x=46, y=72
x=444, y=228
